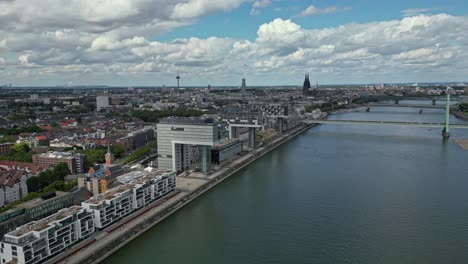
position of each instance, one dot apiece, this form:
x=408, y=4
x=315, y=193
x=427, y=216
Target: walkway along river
x=335, y=194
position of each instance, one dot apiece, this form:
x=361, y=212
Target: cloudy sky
x=218, y=42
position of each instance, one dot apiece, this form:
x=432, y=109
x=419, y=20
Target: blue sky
x=240, y=24
x=219, y=42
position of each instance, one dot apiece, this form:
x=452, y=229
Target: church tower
x=109, y=156
x=306, y=87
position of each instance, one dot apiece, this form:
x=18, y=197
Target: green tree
x=5, y=139
x=45, y=178
x=117, y=150
x=21, y=147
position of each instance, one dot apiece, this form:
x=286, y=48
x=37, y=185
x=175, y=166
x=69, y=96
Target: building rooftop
x=130, y=180
x=226, y=142
x=237, y=110
x=45, y=222
x=131, y=176
x=152, y=175
x=39, y=201
x=188, y=121
x=58, y=155
x=110, y=194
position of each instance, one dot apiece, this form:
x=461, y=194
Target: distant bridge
x=411, y=106
x=385, y=123
x=446, y=126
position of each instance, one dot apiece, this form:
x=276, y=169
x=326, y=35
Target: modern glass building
x=176, y=137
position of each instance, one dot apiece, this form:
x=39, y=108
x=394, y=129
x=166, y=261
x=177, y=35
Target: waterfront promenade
x=189, y=187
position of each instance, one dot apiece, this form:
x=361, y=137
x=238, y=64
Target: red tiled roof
x=46, y=127
x=33, y=168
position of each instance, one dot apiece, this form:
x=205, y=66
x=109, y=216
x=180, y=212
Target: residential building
x=5, y=148
x=41, y=140
x=137, y=139
x=39, y=240
x=12, y=186
x=120, y=201
x=75, y=161
x=34, y=210
x=176, y=135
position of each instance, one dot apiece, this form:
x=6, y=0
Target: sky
x=219, y=42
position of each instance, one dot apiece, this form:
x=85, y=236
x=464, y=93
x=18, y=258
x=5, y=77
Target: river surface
x=335, y=194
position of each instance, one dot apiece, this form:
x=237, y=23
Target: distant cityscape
x=78, y=161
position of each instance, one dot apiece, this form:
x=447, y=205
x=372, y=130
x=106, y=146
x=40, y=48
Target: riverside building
x=39, y=240
x=113, y=205
x=178, y=136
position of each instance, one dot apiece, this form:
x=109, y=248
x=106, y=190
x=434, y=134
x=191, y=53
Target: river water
x=335, y=194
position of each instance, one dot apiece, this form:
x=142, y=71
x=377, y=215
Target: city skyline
x=147, y=43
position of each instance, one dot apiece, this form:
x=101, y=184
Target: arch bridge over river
x=445, y=126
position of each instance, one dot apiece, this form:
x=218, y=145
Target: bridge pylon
x=446, y=130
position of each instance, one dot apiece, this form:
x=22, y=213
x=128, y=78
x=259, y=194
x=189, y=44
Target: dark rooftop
x=188, y=120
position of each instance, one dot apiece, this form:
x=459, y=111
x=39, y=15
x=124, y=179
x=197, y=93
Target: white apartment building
x=40, y=240
x=118, y=202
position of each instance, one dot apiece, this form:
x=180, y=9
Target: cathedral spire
x=306, y=87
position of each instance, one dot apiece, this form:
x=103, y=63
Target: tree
x=54, y=186
x=5, y=139
x=21, y=147
x=45, y=178
x=117, y=150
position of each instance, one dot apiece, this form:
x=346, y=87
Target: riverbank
x=461, y=116
x=190, y=187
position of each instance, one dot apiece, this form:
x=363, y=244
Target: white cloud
x=196, y=8
x=110, y=43
x=417, y=11
x=312, y=10
x=47, y=44
x=257, y=5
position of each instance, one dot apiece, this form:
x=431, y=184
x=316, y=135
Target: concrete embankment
x=111, y=239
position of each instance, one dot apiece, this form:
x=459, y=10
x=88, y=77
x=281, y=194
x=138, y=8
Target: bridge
x=410, y=106
x=385, y=123
x=446, y=126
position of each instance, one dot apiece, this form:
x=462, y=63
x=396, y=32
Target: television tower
x=178, y=78
x=243, y=85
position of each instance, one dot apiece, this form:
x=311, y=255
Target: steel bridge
x=385, y=123
x=446, y=126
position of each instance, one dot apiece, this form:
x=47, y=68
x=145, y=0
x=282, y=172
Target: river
x=335, y=194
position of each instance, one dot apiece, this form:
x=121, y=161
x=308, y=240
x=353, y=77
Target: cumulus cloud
x=64, y=40
x=257, y=5
x=312, y=10
x=196, y=8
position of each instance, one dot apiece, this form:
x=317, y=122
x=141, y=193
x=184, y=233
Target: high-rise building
x=102, y=102
x=243, y=86
x=177, y=135
x=306, y=87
